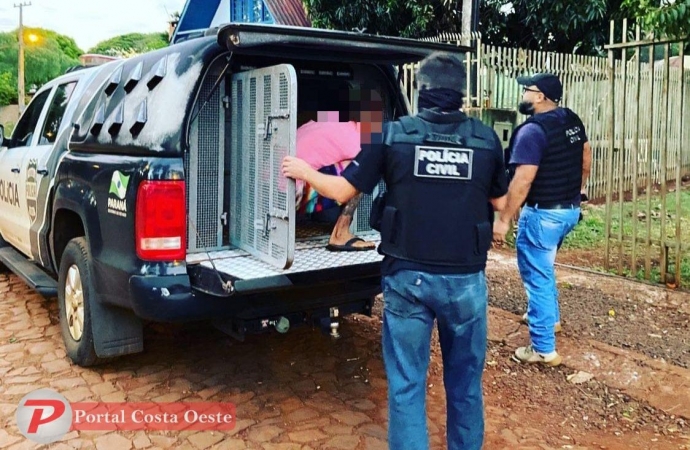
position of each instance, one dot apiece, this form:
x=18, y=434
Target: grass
x=591, y=231
x=9, y=127
x=589, y=236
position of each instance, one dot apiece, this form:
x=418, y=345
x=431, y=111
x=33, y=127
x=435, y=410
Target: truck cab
x=150, y=188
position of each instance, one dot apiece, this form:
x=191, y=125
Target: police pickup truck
x=149, y=189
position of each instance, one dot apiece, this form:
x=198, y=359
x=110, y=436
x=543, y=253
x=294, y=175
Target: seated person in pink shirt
x=329, y=145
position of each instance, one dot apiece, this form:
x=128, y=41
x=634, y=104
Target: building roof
x=288, y=12
x=94, y=59
x=674, y=61
x=200, y=15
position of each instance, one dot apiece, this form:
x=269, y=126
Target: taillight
x=161, y=221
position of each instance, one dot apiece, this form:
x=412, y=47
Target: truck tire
x=75, y=297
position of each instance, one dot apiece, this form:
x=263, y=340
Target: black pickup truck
x=149, y=189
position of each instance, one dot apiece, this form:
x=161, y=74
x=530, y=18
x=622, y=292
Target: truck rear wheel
x=75, y=297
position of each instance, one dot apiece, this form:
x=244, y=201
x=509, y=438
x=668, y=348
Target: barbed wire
x=453, y=37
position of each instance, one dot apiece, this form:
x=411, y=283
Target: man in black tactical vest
x=441, y=169
x=551, y=158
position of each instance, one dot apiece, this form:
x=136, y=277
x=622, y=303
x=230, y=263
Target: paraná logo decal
x=118, y=188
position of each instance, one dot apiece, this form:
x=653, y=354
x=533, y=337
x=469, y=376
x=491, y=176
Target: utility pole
x=20, y=77
x=470, y=25
x=467, y=14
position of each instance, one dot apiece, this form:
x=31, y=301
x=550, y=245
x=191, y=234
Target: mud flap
x=116, y=331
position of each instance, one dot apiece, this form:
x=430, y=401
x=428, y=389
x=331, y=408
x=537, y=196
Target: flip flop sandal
x=348, y=247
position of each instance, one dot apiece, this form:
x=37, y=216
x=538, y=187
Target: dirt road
x=304, y=390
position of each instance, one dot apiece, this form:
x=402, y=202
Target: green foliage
x=664, y=19
x=412, y=19
x=589, y=233
x=8, y=89
x=8, y=68
x=9, y=128
x=65, y=43
x=52, y=53
x=132, y=43
x=45, y=59
x=564, y=26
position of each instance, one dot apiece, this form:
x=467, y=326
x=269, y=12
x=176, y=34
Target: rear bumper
x=173, y=299
x=167, y=299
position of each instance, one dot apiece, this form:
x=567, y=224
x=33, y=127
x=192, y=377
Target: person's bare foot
x=341, y=235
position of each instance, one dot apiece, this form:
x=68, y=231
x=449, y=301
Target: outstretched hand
x=296, y=168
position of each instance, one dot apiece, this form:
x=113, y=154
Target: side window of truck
x=56, y=112
x=21, y=137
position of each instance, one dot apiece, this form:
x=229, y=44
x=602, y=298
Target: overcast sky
x=91, y=21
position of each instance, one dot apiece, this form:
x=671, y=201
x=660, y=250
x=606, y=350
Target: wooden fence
x=492, y=90
x=650, y=126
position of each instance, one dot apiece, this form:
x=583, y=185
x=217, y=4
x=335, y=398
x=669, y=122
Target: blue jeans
x=458, y=302
x=540, y=234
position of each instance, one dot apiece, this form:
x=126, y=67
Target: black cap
x=548, y=84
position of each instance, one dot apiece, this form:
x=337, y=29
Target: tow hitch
x=335, y=323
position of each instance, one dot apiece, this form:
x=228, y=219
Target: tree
x=66, y=44
x=566, y=26
x=8, y=53
x=555, y=25
x=662, y=18
x=8, y=89
x=412, y=19
x=132, y=43
x=46, y=58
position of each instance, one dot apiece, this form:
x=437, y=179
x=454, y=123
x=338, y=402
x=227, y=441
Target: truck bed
x=310, y=255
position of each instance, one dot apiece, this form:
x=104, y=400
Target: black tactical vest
x=438, y=177
x=559, y=178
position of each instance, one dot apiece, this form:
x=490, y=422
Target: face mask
x=446, y=99
x=526, y=108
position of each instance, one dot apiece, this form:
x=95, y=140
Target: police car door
x=35, y=174
x=262, y=201
x=12, y=175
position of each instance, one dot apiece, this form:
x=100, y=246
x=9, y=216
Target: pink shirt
x=323, y=144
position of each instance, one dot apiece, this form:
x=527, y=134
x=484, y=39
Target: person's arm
x=530, y=142
x=331, y=186
x=499, y=203
x=518, y=190
x=586, y=164
x=499, y=183
x=499, y=235
x=517, y=193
